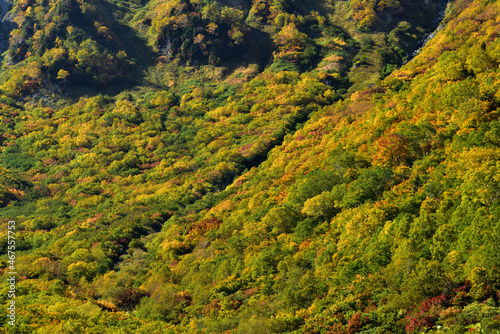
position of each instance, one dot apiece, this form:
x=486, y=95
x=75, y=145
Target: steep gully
x=6, y=24
x=438, y=24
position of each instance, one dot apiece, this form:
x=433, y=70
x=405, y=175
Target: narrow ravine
x=442, y=6
x=6, y=24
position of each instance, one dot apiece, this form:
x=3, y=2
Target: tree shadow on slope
x=138, y=56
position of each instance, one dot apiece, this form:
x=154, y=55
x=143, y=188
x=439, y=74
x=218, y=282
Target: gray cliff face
x=6, y=24
x=442, y=5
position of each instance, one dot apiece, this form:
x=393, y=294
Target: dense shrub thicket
x=299, y=185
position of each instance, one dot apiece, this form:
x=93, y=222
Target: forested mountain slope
x=180, y=166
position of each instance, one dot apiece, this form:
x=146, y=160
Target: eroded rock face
x=442, y=5
x=6, y=24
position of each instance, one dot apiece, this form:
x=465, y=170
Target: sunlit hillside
x=233, y=166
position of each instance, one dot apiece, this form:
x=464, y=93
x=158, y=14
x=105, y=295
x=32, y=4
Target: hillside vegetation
x=286, y=166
